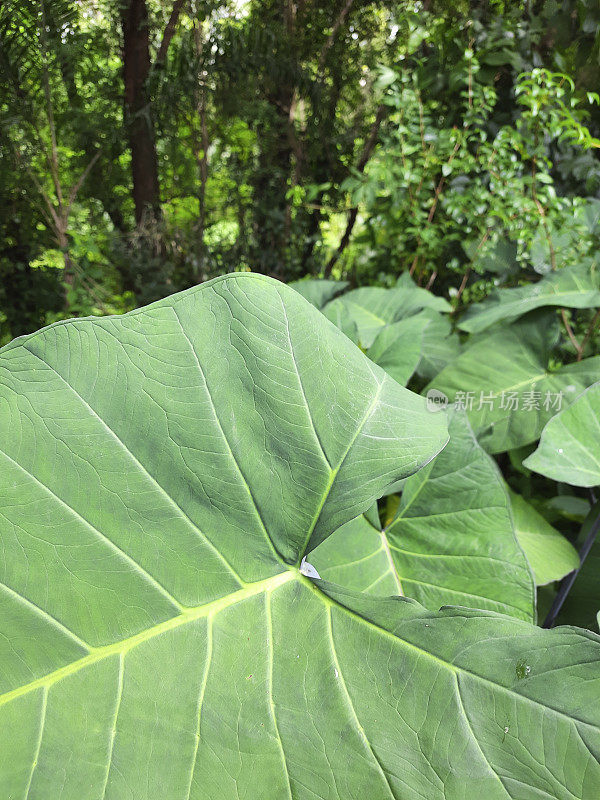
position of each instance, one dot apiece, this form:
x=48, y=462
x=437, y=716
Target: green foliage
x=578, y=287
x=446, y=194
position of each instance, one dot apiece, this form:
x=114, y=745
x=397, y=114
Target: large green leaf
x=163, y=473
x=372, y=308
x=576, y=287
x=550, y=555
x=452, y=540
x=513, y=363
x=319, y=292
x=569, y=450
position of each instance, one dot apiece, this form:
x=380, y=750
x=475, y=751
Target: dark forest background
x=147, y=146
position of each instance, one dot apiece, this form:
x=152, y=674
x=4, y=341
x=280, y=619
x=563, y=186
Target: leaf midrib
x=123, y=646
x=268, y=585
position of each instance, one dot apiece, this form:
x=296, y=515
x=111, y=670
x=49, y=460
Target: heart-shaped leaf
x=162, y=475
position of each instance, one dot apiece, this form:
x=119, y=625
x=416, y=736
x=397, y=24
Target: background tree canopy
x=147, y=146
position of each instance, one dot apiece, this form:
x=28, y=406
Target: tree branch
x=590, y=330
x=169, y=32
x=360, y=167
x=77, y=186
x=331, y=38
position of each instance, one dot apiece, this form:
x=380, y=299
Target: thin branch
x=463, y=284
x=431, y=280
x=471, y=42
x=434, y=202
x=360, y=167
x=53, y=218
x=78, y=184
x=542, y=213
x=53, y=160
x=169, y=32
x=331, y=38
x=572, y=337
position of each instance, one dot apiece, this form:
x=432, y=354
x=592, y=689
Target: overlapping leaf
x=162, y=475
x=569, y=450
x=319, y=292
x=439, y=346
x=550, y=555
x=398, y=347
x=576, y=287
x=451, y=542
x=372, y=308
x=504, y=380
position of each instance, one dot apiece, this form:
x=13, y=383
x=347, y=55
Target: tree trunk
x=140, y=128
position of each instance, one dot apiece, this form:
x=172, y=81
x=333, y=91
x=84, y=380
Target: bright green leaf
x=163, y=472
x=504, y=381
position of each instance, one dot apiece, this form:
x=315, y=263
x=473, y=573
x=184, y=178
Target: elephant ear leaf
x=569, y=449
x=163, y=474
x=371, y=308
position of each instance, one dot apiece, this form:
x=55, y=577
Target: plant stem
x=589, y=331
x=578, y=347
x=567, y=582
x=463, y=283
